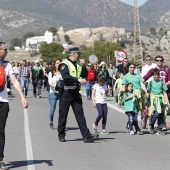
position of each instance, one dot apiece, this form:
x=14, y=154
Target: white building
x=33, y=43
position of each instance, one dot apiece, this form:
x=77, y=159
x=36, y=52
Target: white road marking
x=29, y=151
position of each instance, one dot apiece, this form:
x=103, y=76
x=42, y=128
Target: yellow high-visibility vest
x=72, y=70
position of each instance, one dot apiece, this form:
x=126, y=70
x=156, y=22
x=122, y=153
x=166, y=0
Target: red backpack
x=91, y=75
x=2, y=76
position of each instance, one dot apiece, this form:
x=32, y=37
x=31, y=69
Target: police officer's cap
x=74, y=50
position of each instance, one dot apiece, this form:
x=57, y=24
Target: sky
x=131, y=2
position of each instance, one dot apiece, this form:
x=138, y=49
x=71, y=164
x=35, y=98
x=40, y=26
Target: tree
x=16, y=42
x=11, y=48
x=28, y=35
x=33, y=49
x=53, y=30
x=67, y=39
x=49, y=52
x=122, y=44
x=158, y=48
x=153, y=31
x=102, y=50
x=101, y=38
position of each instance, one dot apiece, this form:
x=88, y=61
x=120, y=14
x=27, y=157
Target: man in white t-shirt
x=4, y=105
x=147, y=67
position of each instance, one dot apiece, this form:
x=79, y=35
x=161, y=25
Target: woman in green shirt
x=137, y=83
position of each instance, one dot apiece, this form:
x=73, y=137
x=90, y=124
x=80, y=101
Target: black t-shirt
x=122, y=69
x=47, y=70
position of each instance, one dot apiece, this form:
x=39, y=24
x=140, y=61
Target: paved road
x=31, y=145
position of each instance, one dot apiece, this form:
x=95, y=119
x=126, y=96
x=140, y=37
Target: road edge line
x=29, y=151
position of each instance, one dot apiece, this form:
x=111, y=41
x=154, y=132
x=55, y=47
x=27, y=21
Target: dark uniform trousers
x=75, y=100
x=4, y=109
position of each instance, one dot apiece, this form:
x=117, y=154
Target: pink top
x=164, y=75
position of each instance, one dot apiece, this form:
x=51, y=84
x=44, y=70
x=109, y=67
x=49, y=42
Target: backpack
x=59, y=86
x=2, y=76
x=91, y=75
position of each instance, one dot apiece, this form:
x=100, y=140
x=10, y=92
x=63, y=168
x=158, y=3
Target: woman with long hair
x=53, y=97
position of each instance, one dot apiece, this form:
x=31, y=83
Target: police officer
x=71, y=71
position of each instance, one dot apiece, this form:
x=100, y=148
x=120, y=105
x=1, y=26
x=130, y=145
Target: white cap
x=102, y=63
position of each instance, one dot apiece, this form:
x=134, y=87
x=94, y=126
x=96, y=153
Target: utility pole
x=138, y=54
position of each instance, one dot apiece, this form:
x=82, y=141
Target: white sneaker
x=104, y=132
x=94, y=128
x=164, y=128
x=132, y=132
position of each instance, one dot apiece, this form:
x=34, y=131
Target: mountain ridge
x=39, y=15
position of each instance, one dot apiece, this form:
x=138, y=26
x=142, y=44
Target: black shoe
x=90, y=138
x=62, y=139
x=164, y=128
x=3, y=166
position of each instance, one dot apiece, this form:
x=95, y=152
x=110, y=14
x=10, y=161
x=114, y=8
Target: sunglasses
x=159, y=60
x=6, y=50
x=148, y=60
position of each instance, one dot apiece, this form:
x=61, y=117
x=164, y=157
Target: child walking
x=118, y=88
x=158, y=103
x=131, y=109
x=99, y=101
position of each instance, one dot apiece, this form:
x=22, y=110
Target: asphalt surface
x=31, y=145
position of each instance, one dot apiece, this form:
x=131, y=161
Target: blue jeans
x=52, y=98
x=24, y=84
x=116, y=95
x=89, y=86
x=132, y=120
x=16, y=75
x=157, y=116
x=37, y=84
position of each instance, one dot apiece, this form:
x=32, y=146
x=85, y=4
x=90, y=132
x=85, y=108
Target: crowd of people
x=63, y=81
x=131, y=89
x=134, y=90
x=100, y=81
